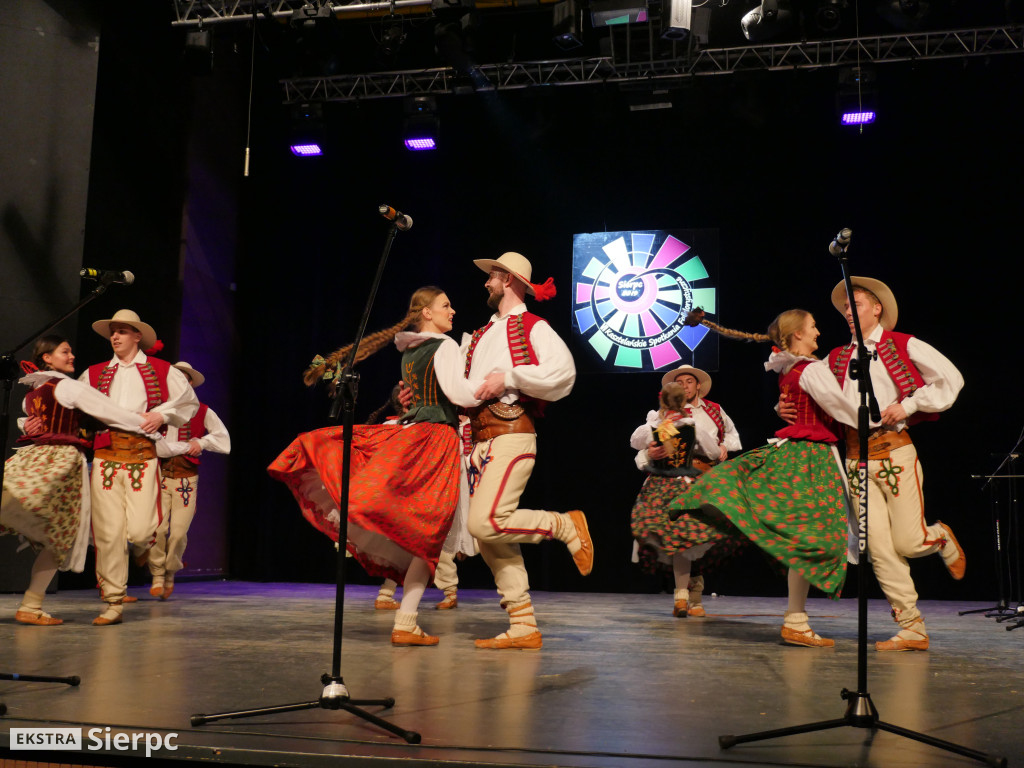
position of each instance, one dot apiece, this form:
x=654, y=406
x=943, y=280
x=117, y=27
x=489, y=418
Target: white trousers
x=501, y=467
x=125, y=511
x=178, y=495
x=896, y=526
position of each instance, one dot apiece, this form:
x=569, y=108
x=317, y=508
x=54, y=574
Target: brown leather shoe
x=679, y=610
x=168, y=591
x=952, y=553
x=130, y=599
x=401, y=637
x=386, y=604
x=449, y=602
x=103, y=621
x=918, y=641
x=807, y=638
x=156, y=590
x=531, y=642
x=40, y=618
x=584, y=556
x=696, y=610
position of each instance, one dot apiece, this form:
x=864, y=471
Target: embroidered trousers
x=896, y=526
x=178, y=496
x=125, y=511
x=501, y=468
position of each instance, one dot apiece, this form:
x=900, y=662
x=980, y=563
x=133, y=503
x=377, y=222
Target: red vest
x=61, y=424
x=154, y=376
x=518, y=329
x=196, y=428
x=892, y=353
x=714, y=410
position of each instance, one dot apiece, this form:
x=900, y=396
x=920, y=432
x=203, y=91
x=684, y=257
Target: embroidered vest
x=892, y=353
x=518, y=329
x=196, y=428
x=714, y=410
x=154, y=377
x=60, y=423
x=812, y=423
x=429, y=402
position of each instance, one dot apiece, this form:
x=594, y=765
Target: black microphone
x=842, y=240
x=108, y=276
x=401, y=221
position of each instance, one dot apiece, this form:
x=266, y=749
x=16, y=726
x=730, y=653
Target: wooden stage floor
x=619, y=683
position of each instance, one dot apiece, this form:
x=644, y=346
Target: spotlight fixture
x=567, y=25
x=905, y=14
x=306, y=130
x=197, y=56
x=422, y=127
x=391, y=39
x=765, y=21
x=856, y=99
x=828, y=16
x=676, y=19
x=308, y=13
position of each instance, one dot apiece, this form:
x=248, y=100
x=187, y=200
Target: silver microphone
x=108, y=276
x=400, y=220
x=842, y=240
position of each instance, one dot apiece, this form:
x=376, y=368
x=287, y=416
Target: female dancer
x=404, y=484
x=46, y=484
x=788, y=497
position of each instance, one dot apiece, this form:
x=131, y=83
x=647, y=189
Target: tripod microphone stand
x=860, y=710
x=8, y=375
x=335, y=694
x=1002, y=611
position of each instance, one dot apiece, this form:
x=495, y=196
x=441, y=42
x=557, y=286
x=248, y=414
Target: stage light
x=391, y=39
x=676, y=19
x=857, y=97
x=567, y=25
x=422, y=127
x=309, y=13
x=905, y=14
x=828, y=16
x=765, y=21
x=306, y=129
x=197, y=57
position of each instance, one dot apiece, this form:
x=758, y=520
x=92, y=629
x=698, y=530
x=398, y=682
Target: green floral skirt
x=788, y=499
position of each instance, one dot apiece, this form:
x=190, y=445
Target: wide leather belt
x=881, y=442
x=494, y=419
x=702, y=465
x=178, y=466
x=127, y=448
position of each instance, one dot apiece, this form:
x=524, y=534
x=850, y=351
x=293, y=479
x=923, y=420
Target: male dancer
x=179, y=470
x=912, y=382
x=125, y=471
x=715, y=436
x=525, y=364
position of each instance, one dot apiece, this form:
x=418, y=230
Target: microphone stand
x=8, y=375
x=860, y=711
x=1002, y=610
x=335, y=694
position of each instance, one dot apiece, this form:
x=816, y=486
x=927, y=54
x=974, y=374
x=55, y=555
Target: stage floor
x=619, y=682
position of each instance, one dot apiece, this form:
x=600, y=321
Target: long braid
x=320, y=366
x=780, y=332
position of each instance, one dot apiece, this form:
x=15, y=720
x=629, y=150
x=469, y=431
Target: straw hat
x=520, y=268
x=128, y=317
x=702, y=377
x=889, y=309
x=196, y=376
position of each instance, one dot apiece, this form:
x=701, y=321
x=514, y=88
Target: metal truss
x=198, y=13
x=882, y=49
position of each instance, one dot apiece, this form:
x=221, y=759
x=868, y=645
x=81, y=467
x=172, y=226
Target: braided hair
x=421, y=299
x=780, y=332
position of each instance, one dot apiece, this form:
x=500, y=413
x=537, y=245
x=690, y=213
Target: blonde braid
x=780, y=332
x=696, y=317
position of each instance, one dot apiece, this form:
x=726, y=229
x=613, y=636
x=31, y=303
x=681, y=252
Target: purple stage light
x=858, y=118
x=421, y=143
x=306, y=150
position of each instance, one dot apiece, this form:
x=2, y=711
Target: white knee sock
x=415, y=584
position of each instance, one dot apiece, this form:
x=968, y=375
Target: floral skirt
x=659, y=538
x=48, y=502
x=787, y=499
x=402, y=495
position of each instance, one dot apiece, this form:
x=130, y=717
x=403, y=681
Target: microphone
x=842, y=240
x=401, y=221
x=108, y=276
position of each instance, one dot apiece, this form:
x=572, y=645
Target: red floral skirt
x=402, y=495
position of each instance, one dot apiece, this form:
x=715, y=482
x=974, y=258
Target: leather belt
x=127, y=448
x=881, y=441
x=702, y=465
x=495, y=418
x=178, y=466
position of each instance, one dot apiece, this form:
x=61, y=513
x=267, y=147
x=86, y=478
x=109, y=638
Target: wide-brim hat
x=702, y=377
x=196, y=376
x=128, y=317
x=890, y=311
x=514, y=263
